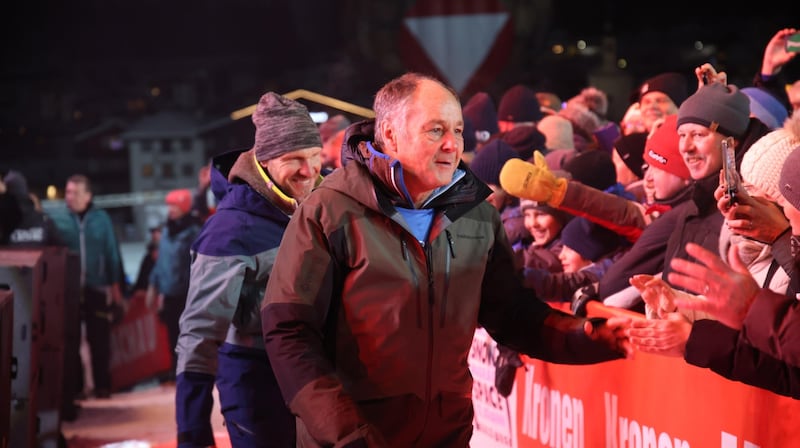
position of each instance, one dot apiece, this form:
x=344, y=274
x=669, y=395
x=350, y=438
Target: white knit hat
x=557, y=132
x=762, y=162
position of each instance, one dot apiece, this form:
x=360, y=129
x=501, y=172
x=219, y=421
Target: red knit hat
x=661, y=149
x=180, y=198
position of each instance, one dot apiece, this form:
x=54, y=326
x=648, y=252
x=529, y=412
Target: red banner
x=139, y=346
x=651, y=401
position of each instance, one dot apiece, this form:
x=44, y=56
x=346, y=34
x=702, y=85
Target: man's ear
x=389, y=137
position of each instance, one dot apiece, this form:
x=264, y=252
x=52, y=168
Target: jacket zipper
x=446, y=289
x=431, y=303
x=414, y=280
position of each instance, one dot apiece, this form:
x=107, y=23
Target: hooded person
x=220, y=343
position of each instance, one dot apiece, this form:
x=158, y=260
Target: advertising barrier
x=139, y=345
x=650, y=401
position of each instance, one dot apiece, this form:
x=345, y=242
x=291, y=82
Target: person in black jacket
x=34, y=228
x=10, y=213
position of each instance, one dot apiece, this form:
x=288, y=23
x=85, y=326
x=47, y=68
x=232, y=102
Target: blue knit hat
x=590, y=240
x=490, y=160
x=766, y=107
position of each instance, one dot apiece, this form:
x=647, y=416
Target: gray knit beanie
x=282, y=125
x=790, y=178
x=721, y=108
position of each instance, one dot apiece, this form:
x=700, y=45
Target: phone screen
x=793, y=42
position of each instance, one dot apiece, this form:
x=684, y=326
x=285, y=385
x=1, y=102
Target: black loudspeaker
x=38, y=282
x=6, y=330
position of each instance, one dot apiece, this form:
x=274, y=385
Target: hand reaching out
x=656, y=293
x=613, y=333
x=665, y=336
x=729, y=290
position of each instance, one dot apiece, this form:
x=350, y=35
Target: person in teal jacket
x=88, y=231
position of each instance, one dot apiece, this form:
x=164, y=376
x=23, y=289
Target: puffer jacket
x=369, y=330
x=231, y=261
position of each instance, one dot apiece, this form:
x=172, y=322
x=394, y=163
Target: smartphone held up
x=730, y=175
x=793, y=43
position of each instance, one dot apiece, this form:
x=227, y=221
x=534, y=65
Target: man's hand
x=533, y=181
x=728, y=290
x=665, y=336
x=613, y=333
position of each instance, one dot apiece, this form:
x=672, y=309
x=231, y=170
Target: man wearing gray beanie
x=220, y=342
x=714, y=113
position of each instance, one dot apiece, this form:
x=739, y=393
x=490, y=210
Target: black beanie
x=470, y=140
x=519, y=104
x=490, y=160
x=673, y=85
x=631, y=150
x=481, y=110
x=282, y=125
x=525, y=140
x=593, y=168
x=721, y=108
x=590, y=240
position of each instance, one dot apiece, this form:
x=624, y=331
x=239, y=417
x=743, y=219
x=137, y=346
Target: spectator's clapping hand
x=728, y=290
x=656, y=293
x=613, y=333
x=665, y=336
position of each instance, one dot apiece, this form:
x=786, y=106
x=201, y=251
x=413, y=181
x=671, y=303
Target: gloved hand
x=582, y=297
x=533, y=181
